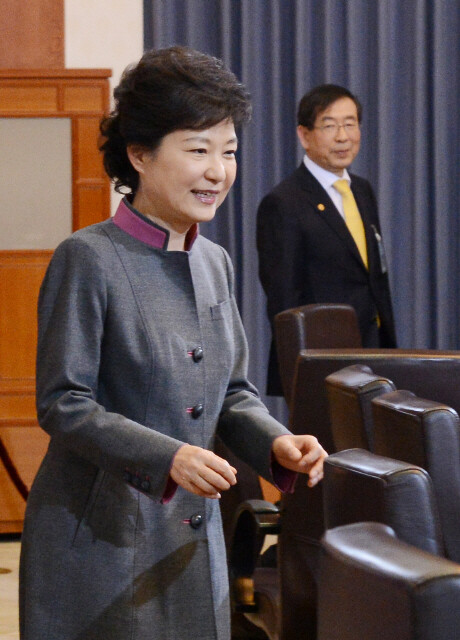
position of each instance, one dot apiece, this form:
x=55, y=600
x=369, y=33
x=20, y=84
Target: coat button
x=197, y=411
x=197, y=354
x=196, y=520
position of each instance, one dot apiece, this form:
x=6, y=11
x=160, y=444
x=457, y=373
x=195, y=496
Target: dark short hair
x=319, y=99
x=168, y=89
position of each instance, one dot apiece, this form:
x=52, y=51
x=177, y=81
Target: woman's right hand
x=202, y=472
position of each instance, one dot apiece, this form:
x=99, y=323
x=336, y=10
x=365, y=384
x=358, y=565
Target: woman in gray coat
x=141, y=360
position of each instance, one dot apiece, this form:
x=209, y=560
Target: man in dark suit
x=317, y=241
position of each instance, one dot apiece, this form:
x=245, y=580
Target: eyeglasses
x=332, y=129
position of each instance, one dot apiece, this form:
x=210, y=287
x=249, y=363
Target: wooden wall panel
x=83, y=98
x=20, y=276
x=26, y=446
x=89, y=201
x=22, y=100
x=89, y=166
x=17, y=406
x=32, y=34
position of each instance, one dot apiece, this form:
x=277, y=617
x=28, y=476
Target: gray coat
x=119, y=390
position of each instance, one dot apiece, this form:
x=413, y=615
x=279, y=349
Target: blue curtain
x=402, y=59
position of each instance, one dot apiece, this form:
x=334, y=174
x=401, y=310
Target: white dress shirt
x=326, y=180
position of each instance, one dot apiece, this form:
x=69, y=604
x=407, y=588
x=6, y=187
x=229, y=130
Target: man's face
x=334, y=141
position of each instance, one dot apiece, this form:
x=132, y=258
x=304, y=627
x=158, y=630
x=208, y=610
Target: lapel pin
x=321, y=207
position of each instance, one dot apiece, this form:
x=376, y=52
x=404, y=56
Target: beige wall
x=36, y=217
x=103, y=34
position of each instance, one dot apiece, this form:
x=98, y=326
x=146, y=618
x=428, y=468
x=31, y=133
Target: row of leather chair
x=360, y=486
x=428, y=373
x=363, y=570
x=287, y=596
x=389, y=575
x=403, y=426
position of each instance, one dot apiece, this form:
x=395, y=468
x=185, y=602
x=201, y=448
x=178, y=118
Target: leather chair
x=312, y=326
x=373, y=586
x=425, y=433
x=361, y=486
x=350, y=392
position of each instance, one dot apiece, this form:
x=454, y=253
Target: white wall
x=103, y=34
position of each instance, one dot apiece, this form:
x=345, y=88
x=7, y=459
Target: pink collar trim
x=143, y=229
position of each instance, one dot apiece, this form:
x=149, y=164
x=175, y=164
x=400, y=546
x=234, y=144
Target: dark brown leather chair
x=350, y=392
x=361, y=486
x=373, y=586
x=425, y=433
x=312, y=326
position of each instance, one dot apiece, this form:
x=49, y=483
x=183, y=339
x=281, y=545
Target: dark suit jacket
x=307, y=255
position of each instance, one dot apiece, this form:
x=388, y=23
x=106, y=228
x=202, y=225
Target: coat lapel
x=323, y=206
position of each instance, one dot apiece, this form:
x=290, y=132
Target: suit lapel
x=323, y=206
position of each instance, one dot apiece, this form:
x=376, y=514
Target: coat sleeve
x=281, y=252
x=245, y=424
x=72, y=312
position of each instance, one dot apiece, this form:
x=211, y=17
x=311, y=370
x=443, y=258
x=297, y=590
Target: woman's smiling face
x=187, y=177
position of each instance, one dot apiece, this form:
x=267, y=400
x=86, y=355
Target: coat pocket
x=220, y=310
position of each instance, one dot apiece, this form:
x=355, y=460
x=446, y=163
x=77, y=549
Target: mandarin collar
x=140, y=227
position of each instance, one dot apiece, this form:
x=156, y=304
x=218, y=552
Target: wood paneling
x=89, y=201
x=47, y=92
x=20, y=276
x=23, y=100
x=32, y=34
x=21, y=273
x=26, y=446
x=89, y=165
x=82, y=96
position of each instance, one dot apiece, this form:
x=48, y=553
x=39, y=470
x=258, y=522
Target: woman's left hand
x=303, y=454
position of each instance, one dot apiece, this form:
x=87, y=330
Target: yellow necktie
x=352, y=217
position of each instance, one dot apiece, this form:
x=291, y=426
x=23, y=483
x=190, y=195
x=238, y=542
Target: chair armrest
x=254, y=519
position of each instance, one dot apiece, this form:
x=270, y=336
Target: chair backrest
x=426, y=433
x=312, y=326
x=350, y=392
x=428, y=373
x=360, y=486
x=377, y=587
